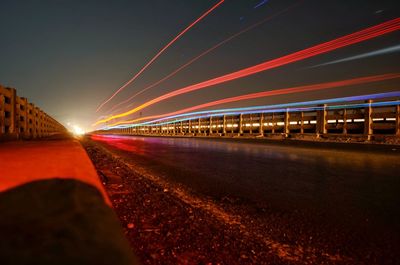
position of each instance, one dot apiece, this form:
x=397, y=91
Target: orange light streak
x=359, y=36
x=203, y=54
x=290, y=90
x=159, y=54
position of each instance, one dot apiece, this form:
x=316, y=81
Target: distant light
x=77, y=130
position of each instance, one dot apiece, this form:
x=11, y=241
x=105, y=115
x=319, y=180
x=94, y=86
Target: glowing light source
x=359, y=36
x=76, y=130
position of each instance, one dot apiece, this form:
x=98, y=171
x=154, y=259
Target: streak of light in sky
x=282, y=91
x=263, y=2
x=392, y=49
x=300, y=106
x=173, y=73
x=334, y=107
x=356, y=37
x=159, y=54
x=285, y=105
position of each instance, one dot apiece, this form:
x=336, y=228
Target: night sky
x=68, y=56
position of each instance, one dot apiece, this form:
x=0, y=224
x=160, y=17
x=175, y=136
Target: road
x=344, y=200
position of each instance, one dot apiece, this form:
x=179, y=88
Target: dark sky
x=67, y=56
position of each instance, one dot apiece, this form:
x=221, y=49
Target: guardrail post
x=273, y=123
x=251, y=124
x=210, y=124
x=240, y=124
x=398, y=120
x=286, y=130
x=321, y=121
x=302, y=122
x=224, y=124
x=368, y=121
x=199, y=123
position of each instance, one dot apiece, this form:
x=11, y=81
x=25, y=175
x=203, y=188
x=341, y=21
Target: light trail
x=173, y=73
x=263, y=2
x=297, y=89
x=160, y=52
x=334, y=107
x=392, y=49
x=219, y=112
x=292, y=107
x=359, y=36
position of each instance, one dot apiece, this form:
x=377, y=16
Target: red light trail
x=203, y=54
x=282, y=91
x=359, y=36
x=159, y=53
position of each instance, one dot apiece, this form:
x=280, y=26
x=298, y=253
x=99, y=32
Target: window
x=7, y=100
x=7, y=114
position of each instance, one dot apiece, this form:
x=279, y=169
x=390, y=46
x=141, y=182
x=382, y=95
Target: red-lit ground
x=27, y=161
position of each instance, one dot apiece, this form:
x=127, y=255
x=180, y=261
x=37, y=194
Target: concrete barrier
x=54, y=209
x=20, y=119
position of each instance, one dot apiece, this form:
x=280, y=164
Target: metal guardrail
x=21, y=119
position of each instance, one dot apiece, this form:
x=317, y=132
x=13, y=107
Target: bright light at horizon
x=77, y=130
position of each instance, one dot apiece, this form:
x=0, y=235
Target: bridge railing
x=21, y=119
x=363, y=120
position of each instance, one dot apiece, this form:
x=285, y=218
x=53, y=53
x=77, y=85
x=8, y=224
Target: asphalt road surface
x=343, y=199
